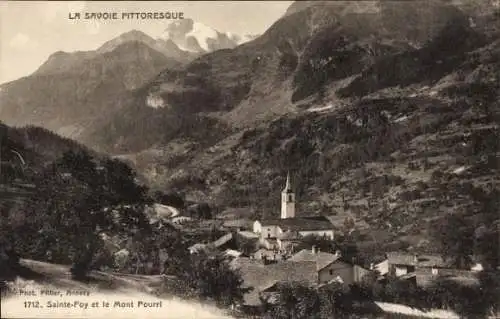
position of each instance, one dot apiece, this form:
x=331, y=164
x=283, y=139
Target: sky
x=32, y=30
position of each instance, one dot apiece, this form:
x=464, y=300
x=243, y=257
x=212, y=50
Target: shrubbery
x=294, y=300
x=76, y=199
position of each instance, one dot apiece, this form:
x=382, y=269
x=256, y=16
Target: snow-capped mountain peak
x=193, y=36
x=203, y=34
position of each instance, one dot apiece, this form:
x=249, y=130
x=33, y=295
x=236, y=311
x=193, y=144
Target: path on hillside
x=114, y=288
x=165, y=211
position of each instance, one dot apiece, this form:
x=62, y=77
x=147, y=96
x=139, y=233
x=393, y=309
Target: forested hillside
x=58, y=198
x=399, y=127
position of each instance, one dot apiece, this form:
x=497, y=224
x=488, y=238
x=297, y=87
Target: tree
x=9, y=259
x=297, y=301
x=201, y=211
x=490, y=291
x=294, y=301
x=455, y=237
x=172, y=199
x=467, y=301
x=348, y=249
x=212, y=278
x=349, y=224
x=335, y=301
x=178, y=258
x=77, y=201
x=487, y=247
x=322, y=243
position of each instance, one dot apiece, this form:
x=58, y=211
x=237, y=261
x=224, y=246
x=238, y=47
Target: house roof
x=382, y=267
x=197, y=247
x=431, y=261
x=181, y=218
x=401, y=258
x=264, y=252
x=236, y=212
x=215, y=244
x=321, y=259
x=232, y=253
x=261, y=277
x=299, y=223
x=223, y=240
x=425, y=260
x=238, y=223
x=269, y=254
x=271, y=241
x=248, y=234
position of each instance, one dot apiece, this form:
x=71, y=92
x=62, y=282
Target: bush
x=208, y=278
x=74, y=201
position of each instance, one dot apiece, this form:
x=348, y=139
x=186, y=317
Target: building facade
x=304, y=226
x=287, y=200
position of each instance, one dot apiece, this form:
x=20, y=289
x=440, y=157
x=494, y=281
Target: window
x=331, y=272
x=289, y=198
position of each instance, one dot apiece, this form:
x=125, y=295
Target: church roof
x=288, y=186
x=299, y=223
x=289, y=235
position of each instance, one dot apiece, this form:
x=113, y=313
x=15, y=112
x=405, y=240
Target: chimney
x=415, y=259
x=313, y=249
x=372, y=266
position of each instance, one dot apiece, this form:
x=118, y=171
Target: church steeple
x=288, y=186
x=287, y=199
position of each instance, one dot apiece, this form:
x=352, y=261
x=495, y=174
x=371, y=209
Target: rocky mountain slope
x=168, y=48
x=73, y=92
x=394, y=122
x=294, y=59
x=387, y=111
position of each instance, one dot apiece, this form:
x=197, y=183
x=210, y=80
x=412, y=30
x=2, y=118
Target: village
x=268, y=252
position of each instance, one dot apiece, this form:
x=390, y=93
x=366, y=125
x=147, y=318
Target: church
x=290, y=227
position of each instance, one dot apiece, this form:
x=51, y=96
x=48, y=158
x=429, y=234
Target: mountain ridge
x=235, y=81
x=387, y=115
x=372, y=132
x=80, y=89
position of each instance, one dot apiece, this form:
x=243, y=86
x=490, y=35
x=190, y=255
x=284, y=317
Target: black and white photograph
x=250, y=159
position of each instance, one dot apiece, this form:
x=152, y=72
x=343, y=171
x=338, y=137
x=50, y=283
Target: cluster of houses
x=309, y=267
x=276, y=258
x=423, y=269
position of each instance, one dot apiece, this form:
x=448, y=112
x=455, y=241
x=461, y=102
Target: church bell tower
x=288, y=200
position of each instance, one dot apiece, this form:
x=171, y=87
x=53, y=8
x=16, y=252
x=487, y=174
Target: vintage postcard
x=250, y=159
